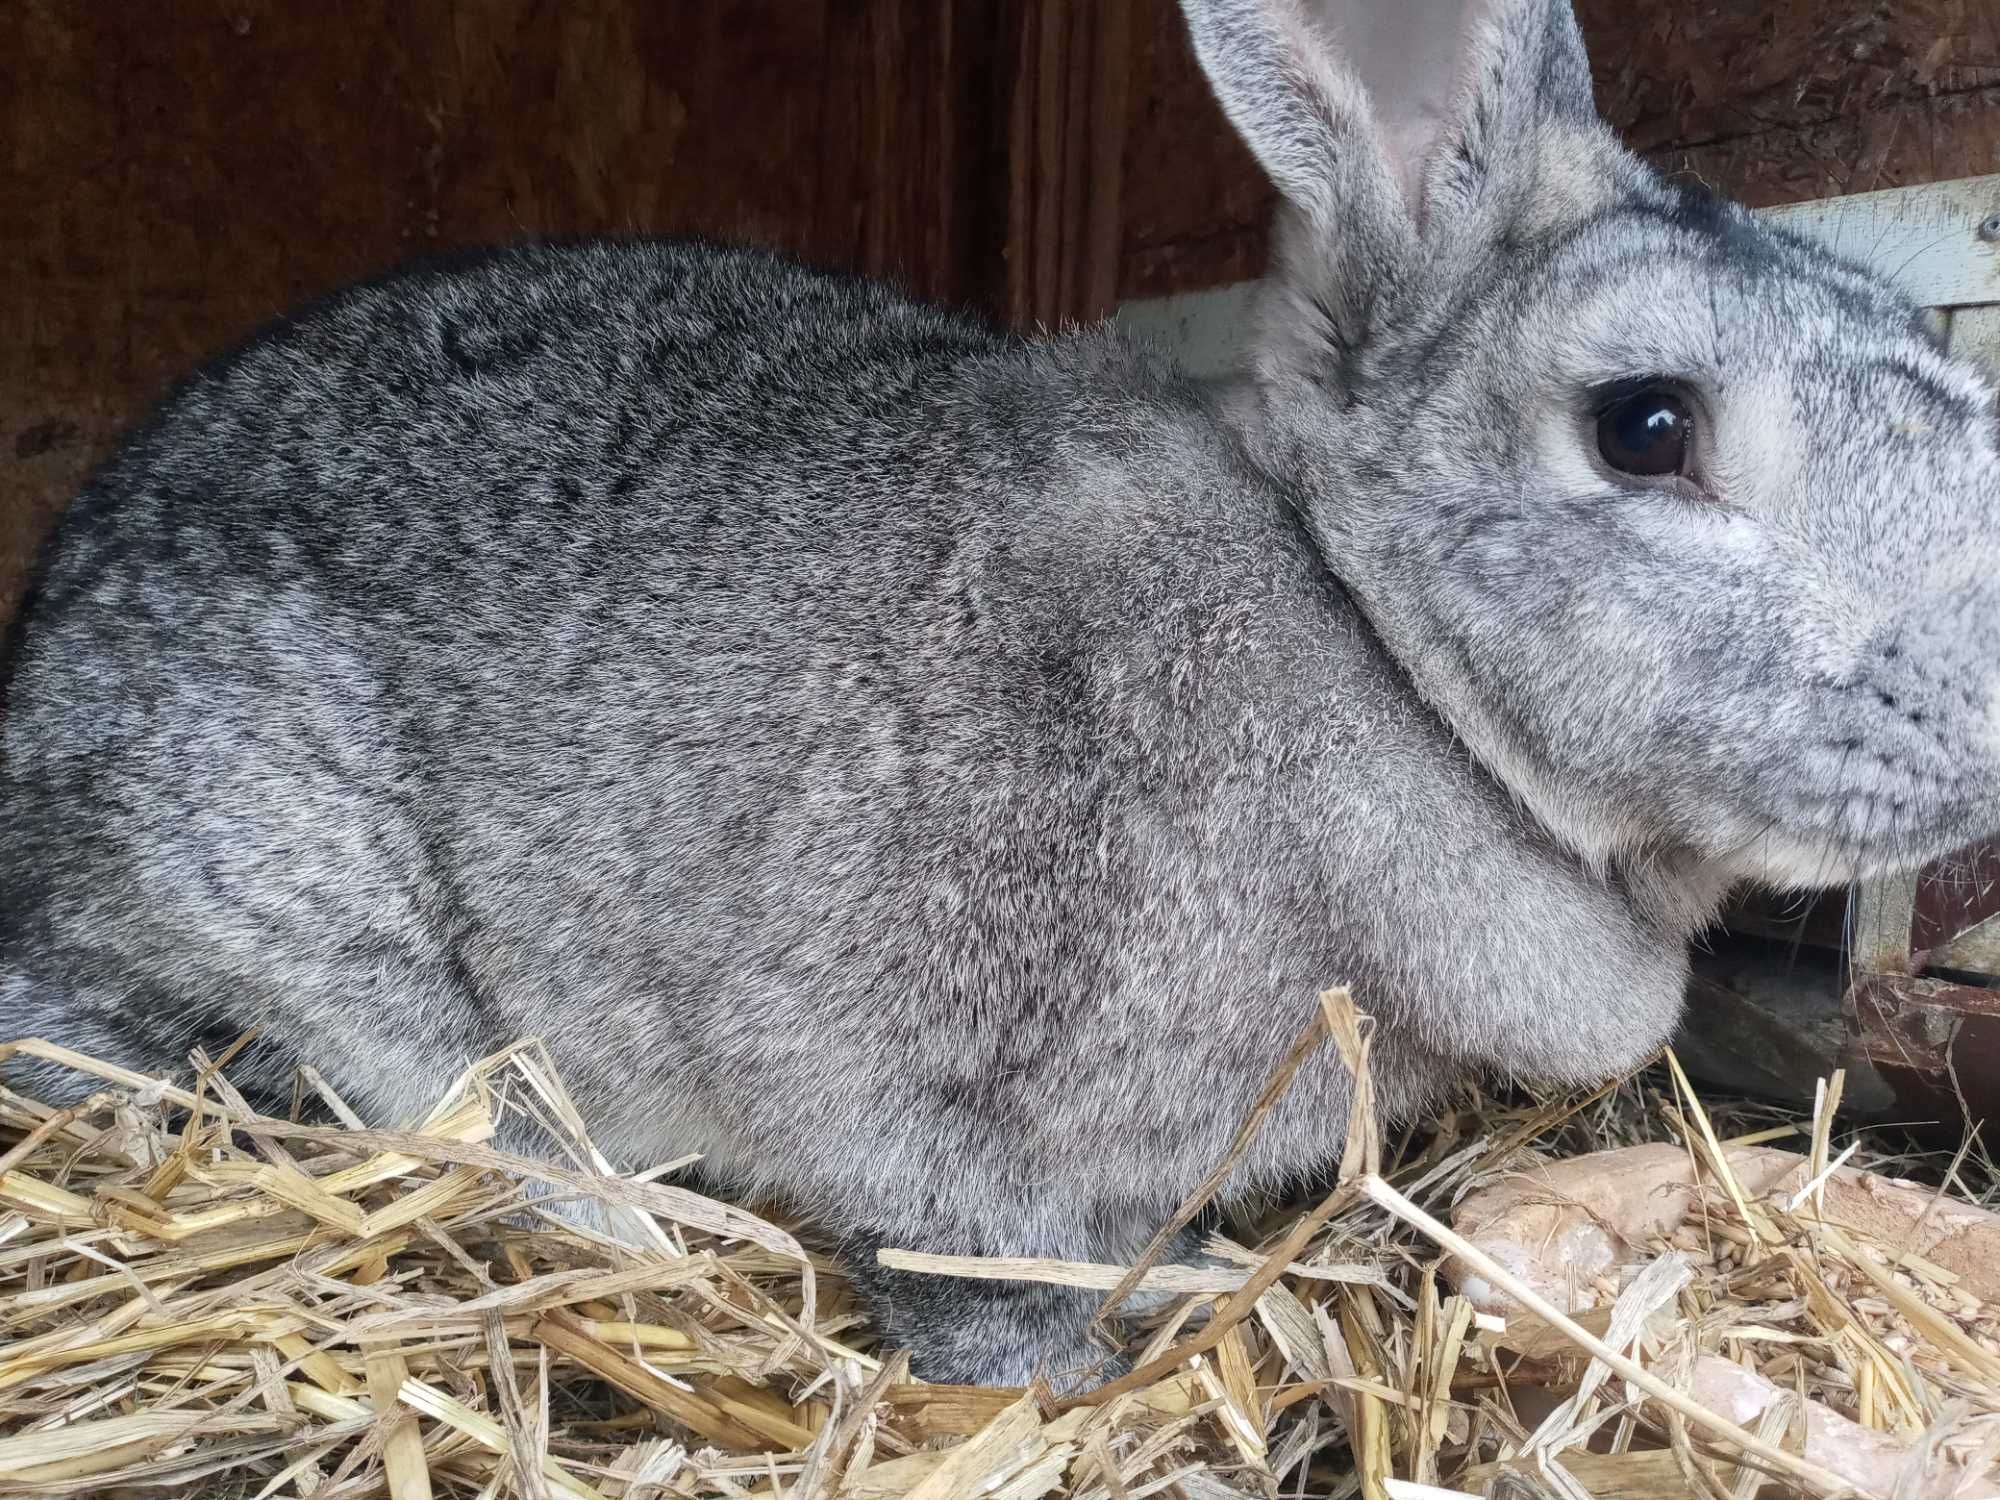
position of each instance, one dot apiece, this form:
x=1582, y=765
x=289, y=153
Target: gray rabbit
x=931, y=772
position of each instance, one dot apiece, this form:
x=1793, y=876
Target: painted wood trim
x=1976, y=331
x=1925, y=239
x=1205, y=330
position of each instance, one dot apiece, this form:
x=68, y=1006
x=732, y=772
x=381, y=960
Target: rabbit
x=931, y=771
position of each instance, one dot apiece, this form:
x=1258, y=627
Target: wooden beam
x=1067, y=145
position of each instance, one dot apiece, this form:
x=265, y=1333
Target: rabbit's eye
x=1650, y=434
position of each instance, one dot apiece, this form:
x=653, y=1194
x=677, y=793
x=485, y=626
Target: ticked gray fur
x=932, y=772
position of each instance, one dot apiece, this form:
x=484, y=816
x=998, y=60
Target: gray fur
x=932, y=772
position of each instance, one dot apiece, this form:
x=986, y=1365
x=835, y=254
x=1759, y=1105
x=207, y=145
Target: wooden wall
x=173, y=173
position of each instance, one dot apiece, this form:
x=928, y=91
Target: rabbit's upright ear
x=1297, y=103
x=1486, y=111
x=1405, y=135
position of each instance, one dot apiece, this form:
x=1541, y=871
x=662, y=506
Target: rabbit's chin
x=1791, y=862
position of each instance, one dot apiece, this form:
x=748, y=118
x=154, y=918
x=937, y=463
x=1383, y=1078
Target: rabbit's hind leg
x=129, y=1027
x=387, y=1029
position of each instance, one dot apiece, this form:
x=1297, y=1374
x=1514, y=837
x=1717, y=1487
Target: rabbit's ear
x=1470, y=97
x=1404, y=130
x=1300, y=107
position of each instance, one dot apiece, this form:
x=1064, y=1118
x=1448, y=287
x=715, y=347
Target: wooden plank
x=912, y=130
x=1195, y=202
x=1884, y=916
x=1066, y=160
x=1976, y=950
x=1926, y=240
x=1976, y=331
x=1207, y=331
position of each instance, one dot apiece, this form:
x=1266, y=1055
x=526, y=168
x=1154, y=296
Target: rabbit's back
x=436, y=446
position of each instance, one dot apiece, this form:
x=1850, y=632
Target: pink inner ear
x=1413, y=56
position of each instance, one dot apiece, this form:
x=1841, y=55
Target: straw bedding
x=196, y=1301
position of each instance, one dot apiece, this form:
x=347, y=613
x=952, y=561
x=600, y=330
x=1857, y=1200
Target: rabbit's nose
x=1927, y=679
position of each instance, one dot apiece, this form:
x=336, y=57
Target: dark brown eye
x=1650, y=434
